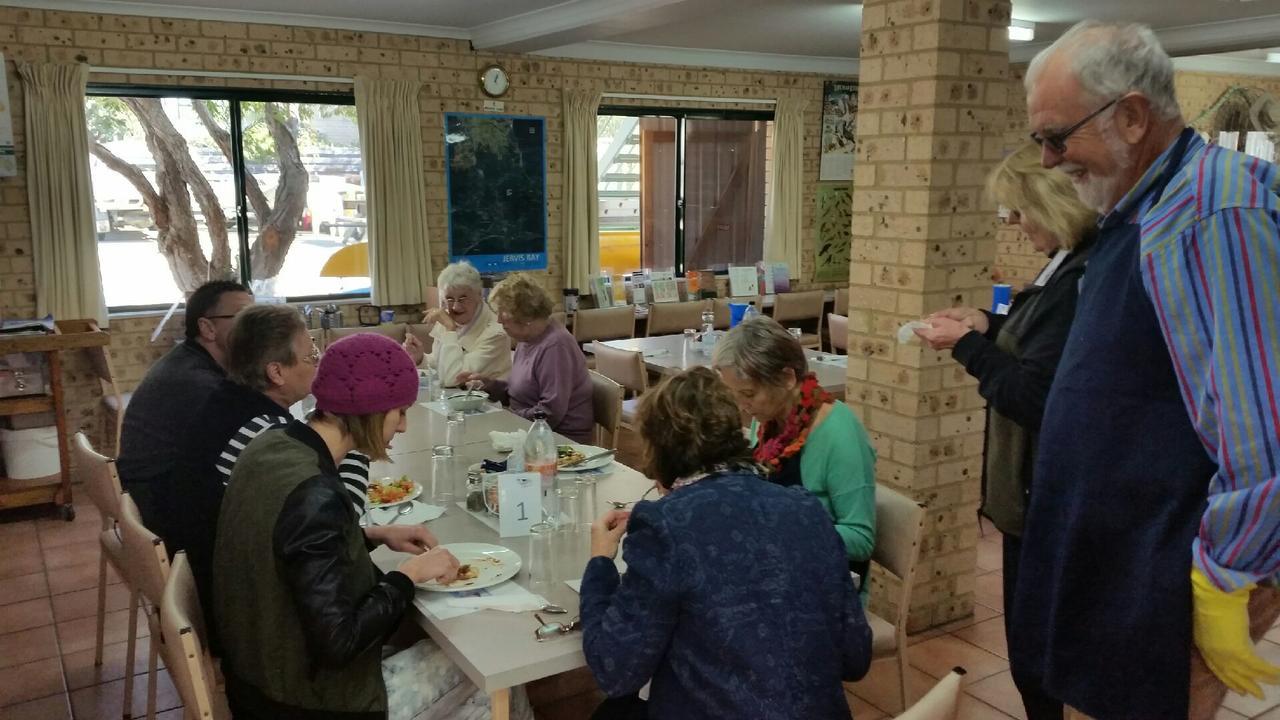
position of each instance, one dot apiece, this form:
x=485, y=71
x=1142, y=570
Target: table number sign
x=520, y=503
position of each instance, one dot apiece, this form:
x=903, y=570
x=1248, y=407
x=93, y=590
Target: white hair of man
x=460, y=274
x=1110, y=60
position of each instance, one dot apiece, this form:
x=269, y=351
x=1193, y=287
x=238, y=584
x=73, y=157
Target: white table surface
x=495, y=649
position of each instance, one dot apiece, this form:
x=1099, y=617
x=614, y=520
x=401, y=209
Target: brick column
x=932, y=110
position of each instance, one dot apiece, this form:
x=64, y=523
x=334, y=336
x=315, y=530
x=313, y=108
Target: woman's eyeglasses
x=549, y=630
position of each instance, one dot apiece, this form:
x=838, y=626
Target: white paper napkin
x=421, y=512
x=907, y=334
x=575, y=585
x=440, y=605
x=506, y=441
x=525, y=603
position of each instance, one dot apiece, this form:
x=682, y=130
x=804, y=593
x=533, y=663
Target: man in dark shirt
x=176, y=385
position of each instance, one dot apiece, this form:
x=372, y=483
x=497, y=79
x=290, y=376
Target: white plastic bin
x=30, y=453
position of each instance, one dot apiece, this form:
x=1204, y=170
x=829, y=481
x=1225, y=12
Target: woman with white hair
x=468, y=339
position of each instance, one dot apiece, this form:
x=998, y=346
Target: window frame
x=234, y=96
x=681, y=114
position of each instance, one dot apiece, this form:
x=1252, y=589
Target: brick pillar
x=932, y=110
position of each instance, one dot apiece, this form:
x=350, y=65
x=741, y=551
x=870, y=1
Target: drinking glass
x=442, y=476
x=542, y=557
x=455, y=428
x=588, y=508
x=570, y=520
x=795, y=333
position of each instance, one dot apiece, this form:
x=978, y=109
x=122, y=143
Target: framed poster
x=833, y=223
x=496, y=178
x=839, y=129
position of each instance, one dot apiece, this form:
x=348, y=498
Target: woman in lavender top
x=548, y=372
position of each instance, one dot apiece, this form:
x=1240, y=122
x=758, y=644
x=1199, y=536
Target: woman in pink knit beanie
x=301, y=608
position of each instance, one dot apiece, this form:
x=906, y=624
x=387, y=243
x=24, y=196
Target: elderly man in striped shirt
x=1153, y=533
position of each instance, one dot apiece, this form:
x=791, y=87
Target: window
x=681, y=189
x=260, y=186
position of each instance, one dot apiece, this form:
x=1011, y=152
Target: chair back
x=625, y=367
x=186, y=648
x=146, y=562
x=842, y=301
x=838, y=326
x=942, y=702
x=604, y=323
x=720, y=306
x=606, y=403
x=395, y=331
x=100, y=359
x=97, y=475
x=674, y=318
x=805, y=305
x=899, y=529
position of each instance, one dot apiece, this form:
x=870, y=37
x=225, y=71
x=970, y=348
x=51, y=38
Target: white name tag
x=519, y=503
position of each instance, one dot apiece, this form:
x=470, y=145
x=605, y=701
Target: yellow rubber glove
x=1221, y=632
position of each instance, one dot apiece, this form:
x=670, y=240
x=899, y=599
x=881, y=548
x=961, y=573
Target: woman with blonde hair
x=548, y=373
x=1014, y=357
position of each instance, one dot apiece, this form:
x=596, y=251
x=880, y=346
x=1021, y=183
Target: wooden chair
x=186, y=646
x=625, y=367
x=606, y=403
x=674, y=318
x=720, y=306
x=942, y=702
x=146, y=565
x=899, y=529
x=612, y=323
x=802, y=308
x=114, y=402
x=842, y=301
x=97, y=475
x=838, y=326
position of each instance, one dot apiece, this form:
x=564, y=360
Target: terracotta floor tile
x=880, y=686
x=15, y=531
x=67, y=555
x=83, y=603
x=990, y=556
x=54, y=707
x=85, y=511
x=1248, y=705
x=988, y=635
x=1225, y=714
x=938, y=656
x=30, y=681
x=861, y=709
x=19, y=560
x=174, y=714
x=81, y=672
x=999, y=692
x=84, y=530
x=25, y=615
x=81, y=634
x=988, y=589
x=1273, y=634
x=105, y=701
x=973, y=709
x=23, y=587
x=28, y=646
x=1269, y=715
x=78, y=577
x=923, y=635
x=981, y=613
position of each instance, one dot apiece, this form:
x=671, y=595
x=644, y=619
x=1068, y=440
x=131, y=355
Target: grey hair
x=261, y=335
x=1111, y=59
x=760, y=350
x=459, y=274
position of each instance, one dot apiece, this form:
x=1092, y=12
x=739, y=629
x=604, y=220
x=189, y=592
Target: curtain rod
x=222, y=74
x=691, y=98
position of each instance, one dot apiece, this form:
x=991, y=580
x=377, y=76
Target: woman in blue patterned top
x=737, y=601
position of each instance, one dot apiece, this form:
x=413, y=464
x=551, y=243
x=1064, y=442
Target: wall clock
x=494, y=81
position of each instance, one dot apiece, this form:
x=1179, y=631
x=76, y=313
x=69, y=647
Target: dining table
x=669, y=354
x=496, y=649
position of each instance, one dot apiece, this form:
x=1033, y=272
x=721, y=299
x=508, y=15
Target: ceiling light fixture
x=1022, y=31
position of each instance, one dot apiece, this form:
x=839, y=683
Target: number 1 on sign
x=518, y=492
x=522, y=515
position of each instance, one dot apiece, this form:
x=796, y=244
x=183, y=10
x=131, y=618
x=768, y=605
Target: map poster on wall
x=839, y=129
x=496, y=176
x=833, y=223
x=8, y=161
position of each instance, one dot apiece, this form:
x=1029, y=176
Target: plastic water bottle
x=750, y=312
x=540, y=456
x=708, y=336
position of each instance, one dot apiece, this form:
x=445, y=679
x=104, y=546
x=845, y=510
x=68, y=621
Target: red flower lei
x=776, y=445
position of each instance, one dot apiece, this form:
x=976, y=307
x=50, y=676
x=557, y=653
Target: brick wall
x=447, y=68
x=1016, y=261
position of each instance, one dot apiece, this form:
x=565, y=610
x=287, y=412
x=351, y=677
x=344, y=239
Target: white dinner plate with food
x=481, y=565
x=566, y=454
x=386, y=492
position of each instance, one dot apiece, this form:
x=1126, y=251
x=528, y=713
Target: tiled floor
x=48, y=576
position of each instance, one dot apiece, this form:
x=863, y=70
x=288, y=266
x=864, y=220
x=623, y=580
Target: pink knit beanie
x=365, y=374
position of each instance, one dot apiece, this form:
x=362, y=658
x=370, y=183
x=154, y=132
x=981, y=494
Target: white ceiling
x=817, y=35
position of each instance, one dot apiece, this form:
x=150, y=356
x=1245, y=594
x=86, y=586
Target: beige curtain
x=396, y=194
x=581, y=222
x=60, y=196
x=782, y=238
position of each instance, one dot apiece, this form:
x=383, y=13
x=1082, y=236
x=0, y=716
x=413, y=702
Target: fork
x=620, y=505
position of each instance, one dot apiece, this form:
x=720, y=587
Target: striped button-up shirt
x=1210, y=259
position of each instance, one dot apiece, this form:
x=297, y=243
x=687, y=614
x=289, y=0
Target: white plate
x=588, y=451
x=415, y=492
x=495, y=563
x=390, y=515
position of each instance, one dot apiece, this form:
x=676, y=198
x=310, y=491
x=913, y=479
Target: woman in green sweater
x=802, y=435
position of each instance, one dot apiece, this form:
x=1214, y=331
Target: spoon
x=404, y=510
x=619, y=505
x=553, y=609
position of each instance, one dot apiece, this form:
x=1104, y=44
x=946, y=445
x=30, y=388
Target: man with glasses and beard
x=1153, y=533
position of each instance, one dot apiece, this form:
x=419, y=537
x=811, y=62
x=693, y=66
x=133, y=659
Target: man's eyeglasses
x=219, y=317
x=549, y=630
x=1057, y=141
